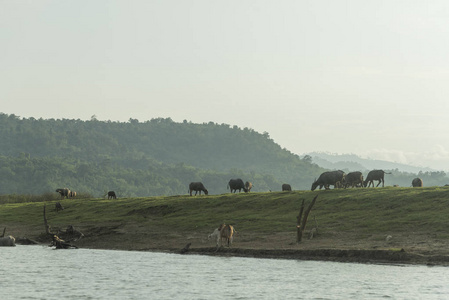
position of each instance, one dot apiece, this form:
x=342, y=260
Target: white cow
x=215, y=234
x=7, y=241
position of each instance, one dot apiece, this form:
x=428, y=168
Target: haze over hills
x=356, y=163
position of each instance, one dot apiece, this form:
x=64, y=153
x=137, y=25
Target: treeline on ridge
x=155, y=157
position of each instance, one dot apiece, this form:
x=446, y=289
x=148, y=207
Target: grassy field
x=374, y=211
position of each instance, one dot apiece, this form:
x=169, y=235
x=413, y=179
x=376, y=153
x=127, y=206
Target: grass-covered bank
x=352, y=219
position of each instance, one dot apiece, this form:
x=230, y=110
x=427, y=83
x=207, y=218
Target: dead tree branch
x=302, y=220
x=56, y=240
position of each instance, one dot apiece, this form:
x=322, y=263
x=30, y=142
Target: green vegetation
x=367, y=211
x=152, y=158
x=156, y=157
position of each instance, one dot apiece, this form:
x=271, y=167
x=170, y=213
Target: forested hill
x=156, y=157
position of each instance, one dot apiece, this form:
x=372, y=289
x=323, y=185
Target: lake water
x=39, y=272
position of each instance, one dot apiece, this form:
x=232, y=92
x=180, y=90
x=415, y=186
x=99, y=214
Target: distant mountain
x=352, y=162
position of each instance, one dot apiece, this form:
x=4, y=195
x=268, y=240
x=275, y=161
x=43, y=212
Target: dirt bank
x=399, y=248
x=337, y=255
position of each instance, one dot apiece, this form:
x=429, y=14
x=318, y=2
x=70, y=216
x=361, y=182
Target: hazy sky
x=363, y=77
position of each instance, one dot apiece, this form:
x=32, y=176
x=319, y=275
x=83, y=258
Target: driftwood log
x=186, y=248
x=58, y=242
x=302, y=220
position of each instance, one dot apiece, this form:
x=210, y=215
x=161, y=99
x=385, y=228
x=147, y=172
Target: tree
x=302, y=220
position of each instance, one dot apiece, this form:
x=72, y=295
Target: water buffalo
x=329, y=178
x=286, y=187
x=417, y=182
x=65, y=192
x=377, y=175
x=7, y=241
x=236, y=184
x=197, y=187
x=248, y=186
x=112, y=195
x=353, y=179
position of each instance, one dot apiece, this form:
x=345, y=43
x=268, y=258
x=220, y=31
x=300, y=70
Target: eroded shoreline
x=334, y=255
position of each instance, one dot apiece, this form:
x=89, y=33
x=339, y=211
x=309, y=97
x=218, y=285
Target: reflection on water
x=39, y=272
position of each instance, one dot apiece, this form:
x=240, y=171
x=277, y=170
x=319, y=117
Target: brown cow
x=248, y=186
x=112, y=195
x=226, y=233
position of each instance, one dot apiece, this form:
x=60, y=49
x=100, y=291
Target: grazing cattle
x=223, y=232
x=417, y=182
x=353, y=179
x=329, y=178
x=236, y=184
x=226, y=233
x=72, y=194
x=248, y=186
x=112, y=195
x=197, y=187
x=58, y=206
x=286, y=187
x=377, y=175
x=7, y=241
x=65, y=192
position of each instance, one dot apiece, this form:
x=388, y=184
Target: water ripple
x=37, y=272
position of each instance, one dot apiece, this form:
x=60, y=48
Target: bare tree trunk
x=47, y=227
x=302, y=221
x=298, y=223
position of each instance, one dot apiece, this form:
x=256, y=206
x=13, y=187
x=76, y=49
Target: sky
x=369, y=78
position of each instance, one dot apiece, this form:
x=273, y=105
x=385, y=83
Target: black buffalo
x=377, y=175
x=65, y=192
x=353, y=179
x=112, y=195
x=197, y=187
x=334, y=178
x=286, y=187
x=417, y=182
x=236, y=184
